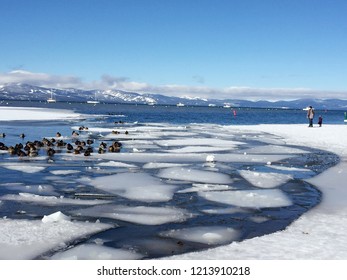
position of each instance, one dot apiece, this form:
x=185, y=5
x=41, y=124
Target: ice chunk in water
x=213, y=235
x=298, y=173
x=214, y=142
x=28, y=239
x=178, y=173
x=261, y=198
x=35, y=189
x=157, y=165
x=200, y=149
x=64, y=172
x=55, y=217
x=210, y=158
x=140, y=214
x=265, y=179
x=205, y=188
x=51, y=200
x=116, y=164
x=26, y=168
x=136, y=186
x=274, y=149
x=96, y=252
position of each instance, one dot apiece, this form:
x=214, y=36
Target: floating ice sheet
x=206, y=188
x=96, y=252
x=194, y=175
x=35, y=189
x=227, y=210
x=157, y=165
x=135, y=186
x=116, y=164
x=213, y=235
x=50, y=200
x=298, y=173
x=262, y=198
x=112, y=136
x=265, y=179
x=274, y=149
x=214, y=142
x=55, y=218
x=251, y=158
x=139, y=214
x=26, y=168
x=152, y=157
x=26, y=239
x=64, y=172
x=199, y=149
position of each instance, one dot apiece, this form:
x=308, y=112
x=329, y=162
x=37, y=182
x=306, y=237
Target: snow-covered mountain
x=35, y=93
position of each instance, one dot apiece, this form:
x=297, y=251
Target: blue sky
x=254, y=49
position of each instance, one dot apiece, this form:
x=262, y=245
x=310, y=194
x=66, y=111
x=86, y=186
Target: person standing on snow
x=310, y=116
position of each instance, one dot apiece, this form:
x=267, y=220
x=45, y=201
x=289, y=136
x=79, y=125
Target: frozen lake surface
x=170, y=189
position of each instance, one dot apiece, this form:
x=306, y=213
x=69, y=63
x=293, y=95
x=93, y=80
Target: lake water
x=190, y=114
x=166, y=145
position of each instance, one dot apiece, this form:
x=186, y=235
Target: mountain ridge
x=20, y=91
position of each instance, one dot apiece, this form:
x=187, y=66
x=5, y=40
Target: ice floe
x=206, y=188
x=297, y=173
x=199, y=149
x=55, y=217
x=64, y=172
x=274, y=149
x=35, y=189
x=212, y=235
x=249, y=198
x=144, y=215
x=265, y=179
x=50, y=200
x=96, y=252
x=194, y=175
x=116, y=164
x=158, y=165
x=214, y=142
x=25, y=168
x=29, y=239
x=136, y=186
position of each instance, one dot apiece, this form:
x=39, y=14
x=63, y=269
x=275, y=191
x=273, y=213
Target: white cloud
x=123, y=83
x=40, y=79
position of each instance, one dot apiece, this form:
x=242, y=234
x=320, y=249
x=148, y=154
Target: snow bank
x=36, y=114
x=24, y=239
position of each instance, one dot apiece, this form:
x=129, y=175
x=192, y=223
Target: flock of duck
x=52, y=145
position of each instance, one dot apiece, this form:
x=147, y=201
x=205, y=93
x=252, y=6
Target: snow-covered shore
x=35, y=114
